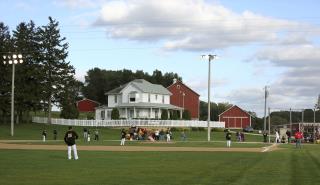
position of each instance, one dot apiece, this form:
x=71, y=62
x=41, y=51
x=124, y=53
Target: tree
x=5, y=77
x=186, y=115
x=68, y=99
x=115, y=114
x=164, y=114
x=28, y=76
x=57, y=72
x=174, y=115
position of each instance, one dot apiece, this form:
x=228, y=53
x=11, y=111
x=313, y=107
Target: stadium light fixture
x=12, y=59
x=209, y=58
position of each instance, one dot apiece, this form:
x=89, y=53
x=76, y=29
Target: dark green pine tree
x=68, y=99
x=5, y=71
x=28, y=76
x=57, y=71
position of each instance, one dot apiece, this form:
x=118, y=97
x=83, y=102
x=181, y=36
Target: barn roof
x=178, y=81
x=86, y=99
x=237, y=107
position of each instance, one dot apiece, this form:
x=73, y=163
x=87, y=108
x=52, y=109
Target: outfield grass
x=33, y=131
x=285, y=167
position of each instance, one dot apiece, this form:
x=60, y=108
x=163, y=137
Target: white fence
x=129, y=123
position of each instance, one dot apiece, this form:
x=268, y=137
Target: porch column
x=151, y=113
x=159, y=114
x=134, y=112
x=180, y=114
x=168, y=113
x=126, y=113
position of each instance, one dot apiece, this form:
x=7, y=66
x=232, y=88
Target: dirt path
x=135, y=148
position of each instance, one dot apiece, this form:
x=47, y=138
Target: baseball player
x=70, y=139
x=123, y=137
x=44, y=135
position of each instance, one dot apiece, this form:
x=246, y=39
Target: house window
x=156, y=97
x=132, y=97
x=102, y=114
x=163, y=99
x=148, y=97
x=116, y=99
x=109, y=114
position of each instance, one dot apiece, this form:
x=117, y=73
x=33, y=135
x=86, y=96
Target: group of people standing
x=87, y=136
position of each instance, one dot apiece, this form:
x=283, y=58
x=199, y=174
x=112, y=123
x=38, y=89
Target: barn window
x=178, y=86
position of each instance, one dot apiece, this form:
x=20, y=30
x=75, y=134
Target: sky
x=272, y=43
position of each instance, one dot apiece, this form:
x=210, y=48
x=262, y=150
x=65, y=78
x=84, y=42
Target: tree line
x=44, y=78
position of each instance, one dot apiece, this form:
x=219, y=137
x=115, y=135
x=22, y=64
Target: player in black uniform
x=70, y=139
x=228, y=138
x=123, y=137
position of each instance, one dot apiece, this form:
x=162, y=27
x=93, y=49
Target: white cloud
x=291, y=56
x=75, y=3
x=194, y=24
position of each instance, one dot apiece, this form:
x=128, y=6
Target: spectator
x=242, y=136
x=96, y=135
x=85, y=134
x=44, y=135
x=298, y=136
x=55, y=133
x=168, y=134
x=265, y=135
x=161, y=134
x=157, y=135
x=277, y=137
x=183, y=136
x=288, y=133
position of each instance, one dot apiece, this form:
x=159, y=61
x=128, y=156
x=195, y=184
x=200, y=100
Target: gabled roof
x=238, y=107
x=144, y=86
x=178, y=81
x=86, y=99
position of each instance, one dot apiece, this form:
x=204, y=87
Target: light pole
x=183, y=94
x=12, y=59
x=209, y=58
x=265, y=107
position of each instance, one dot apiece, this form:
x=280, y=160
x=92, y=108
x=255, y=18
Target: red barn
x=183, y=96
x=87, y=105
x=235, y=117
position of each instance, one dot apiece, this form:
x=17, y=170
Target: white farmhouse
x=137, y=99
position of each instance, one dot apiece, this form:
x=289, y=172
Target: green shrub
x=186, y=115
x=164, y=114
x=115, y=114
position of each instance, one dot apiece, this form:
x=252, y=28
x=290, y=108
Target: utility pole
x=265, y=108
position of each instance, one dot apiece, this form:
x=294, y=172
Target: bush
x=164, y=114
x=186, y=115
x=69, y=112
x=115, y=114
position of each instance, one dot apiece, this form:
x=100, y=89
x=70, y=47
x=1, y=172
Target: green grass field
x=285, y=167
x=289, y=166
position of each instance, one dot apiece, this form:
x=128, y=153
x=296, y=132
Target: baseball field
x=25, y=159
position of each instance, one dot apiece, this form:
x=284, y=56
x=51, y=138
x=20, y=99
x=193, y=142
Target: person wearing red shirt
x=298, y=136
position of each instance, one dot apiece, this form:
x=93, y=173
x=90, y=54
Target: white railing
x=129, y=123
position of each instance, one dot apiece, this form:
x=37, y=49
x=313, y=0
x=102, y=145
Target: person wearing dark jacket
x=123, y=137
x=228, y=138
x=70, y=139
